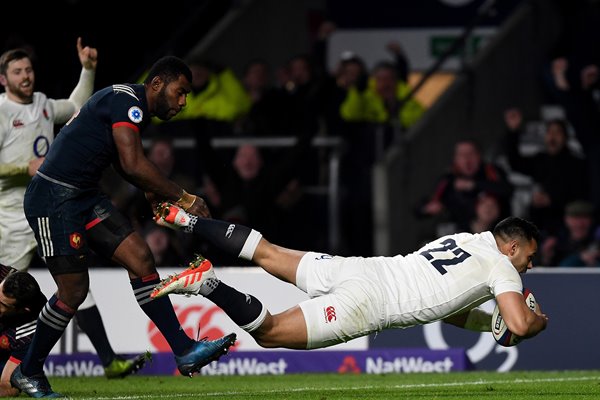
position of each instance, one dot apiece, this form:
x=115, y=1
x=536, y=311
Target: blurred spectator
x=350, y=73
x=164, y=246
x=383, y=101
x=267, y=113
x=560, y=177
x=487, y=213
x=217, y=94
x=574, y=239
x=254, y=193
x=580, y=99
x=456, y=193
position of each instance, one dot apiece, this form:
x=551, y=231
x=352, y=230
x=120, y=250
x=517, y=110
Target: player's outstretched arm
x=474, y=320
x=518, y=317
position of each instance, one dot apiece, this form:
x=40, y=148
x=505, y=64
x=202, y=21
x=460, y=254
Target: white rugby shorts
x=17, y=241
x=346, y=299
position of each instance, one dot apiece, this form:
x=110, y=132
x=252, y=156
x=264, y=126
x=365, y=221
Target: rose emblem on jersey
x=135, y=114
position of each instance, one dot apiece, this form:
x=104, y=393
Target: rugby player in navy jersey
x=70, y=216
x=21, y=300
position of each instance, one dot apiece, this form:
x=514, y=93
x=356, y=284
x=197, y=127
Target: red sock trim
x=64, y=307
x=15, y=360
x=150, y=277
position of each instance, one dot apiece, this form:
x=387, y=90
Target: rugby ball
x=500, y=331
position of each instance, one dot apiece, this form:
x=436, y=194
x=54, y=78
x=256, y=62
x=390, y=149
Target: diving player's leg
x=278, y=261
x=316, y=323
x=287, y=329
x=235, y=239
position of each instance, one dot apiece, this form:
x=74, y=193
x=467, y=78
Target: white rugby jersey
x=447, y=276
x=26, y=132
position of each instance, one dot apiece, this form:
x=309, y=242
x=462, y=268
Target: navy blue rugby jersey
x=16, y=332
x=85, y=147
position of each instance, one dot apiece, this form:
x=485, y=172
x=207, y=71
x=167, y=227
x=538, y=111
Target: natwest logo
x=329, y=314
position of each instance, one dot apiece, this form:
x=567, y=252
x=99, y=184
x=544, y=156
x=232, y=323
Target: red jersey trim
x=126, y=125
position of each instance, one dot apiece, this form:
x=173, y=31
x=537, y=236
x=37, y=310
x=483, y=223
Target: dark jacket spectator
x=457, y=191
x=560, y=176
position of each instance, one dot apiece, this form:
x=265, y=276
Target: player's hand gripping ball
x=500, y=331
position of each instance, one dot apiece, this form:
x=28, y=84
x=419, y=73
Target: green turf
x=471, y=385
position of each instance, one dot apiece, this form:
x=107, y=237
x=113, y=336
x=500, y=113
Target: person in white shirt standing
x=27, y=120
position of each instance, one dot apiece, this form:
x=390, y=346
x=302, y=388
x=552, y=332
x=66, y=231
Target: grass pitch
x=469, y=385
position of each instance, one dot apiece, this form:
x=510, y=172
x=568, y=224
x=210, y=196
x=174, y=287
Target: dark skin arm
x=518, y=317
x=141, y=172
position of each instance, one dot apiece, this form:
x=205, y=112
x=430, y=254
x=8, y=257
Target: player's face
x=19, y=80
x=521, y=256
x=171, y=98
x=8, y=305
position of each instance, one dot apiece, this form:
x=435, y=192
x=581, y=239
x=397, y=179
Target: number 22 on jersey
x=447, y=255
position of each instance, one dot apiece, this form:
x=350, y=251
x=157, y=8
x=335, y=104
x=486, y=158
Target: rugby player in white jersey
x=354, y=296
x=27, y=120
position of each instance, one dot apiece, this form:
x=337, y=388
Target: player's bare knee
x=263, y=335
x=72, y=295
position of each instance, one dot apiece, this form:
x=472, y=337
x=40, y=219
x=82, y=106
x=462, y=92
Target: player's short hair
x=11, y=55
x=516, y=228
x=169, y=68
x=22, y=287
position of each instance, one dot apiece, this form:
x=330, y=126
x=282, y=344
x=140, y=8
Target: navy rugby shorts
x=70, y=221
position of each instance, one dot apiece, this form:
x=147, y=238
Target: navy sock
x=51, y=323
x=243, y=309
x=161, y=312
x=90, y=322
x=238, y=240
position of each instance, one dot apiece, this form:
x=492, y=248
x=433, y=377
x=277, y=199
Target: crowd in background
x=273, y=188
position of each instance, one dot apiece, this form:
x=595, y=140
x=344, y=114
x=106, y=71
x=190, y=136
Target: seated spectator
x=487, y=213
x=164, y=246
x=560, y=176
x=573, y=240
x=252, y=193
x=457, y=192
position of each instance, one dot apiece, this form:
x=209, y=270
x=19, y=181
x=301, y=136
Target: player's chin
x=167, y=115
